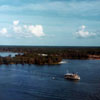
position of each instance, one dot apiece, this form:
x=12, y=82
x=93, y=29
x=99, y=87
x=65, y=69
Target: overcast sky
x=50, y=22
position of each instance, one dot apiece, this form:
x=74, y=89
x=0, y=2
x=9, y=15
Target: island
x=50, y=55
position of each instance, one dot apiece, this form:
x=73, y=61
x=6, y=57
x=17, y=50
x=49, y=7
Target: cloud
x=61, y=7
x=28, y=30
x=16, y=22
x=23, y=31
x=82, y=33
x=36, y=30
x=17, y=29
x=4, y=32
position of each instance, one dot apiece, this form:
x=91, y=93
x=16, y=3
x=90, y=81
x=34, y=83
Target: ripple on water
x=36, y=83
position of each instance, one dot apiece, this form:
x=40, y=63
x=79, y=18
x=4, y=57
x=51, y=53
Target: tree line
x=47, y=55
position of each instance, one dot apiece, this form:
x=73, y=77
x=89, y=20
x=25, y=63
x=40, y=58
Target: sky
x=50, y=22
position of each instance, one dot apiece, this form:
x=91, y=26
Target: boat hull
x=72, y=77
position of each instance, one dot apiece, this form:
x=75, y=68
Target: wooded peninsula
x=47, y=54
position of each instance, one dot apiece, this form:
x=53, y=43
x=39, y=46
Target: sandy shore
x=97, y=57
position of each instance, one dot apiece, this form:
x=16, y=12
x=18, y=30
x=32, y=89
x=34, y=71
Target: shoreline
x=19, y=60
x=48, y=55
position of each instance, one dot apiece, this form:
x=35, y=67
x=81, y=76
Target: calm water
x=5, y=54
x=24, y=82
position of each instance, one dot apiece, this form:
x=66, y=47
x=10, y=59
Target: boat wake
x=63, y=62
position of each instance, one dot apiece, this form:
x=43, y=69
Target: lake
x=5, y=54
x=32, y=82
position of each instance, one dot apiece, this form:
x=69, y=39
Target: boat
x=72, y=76
x=53, y=78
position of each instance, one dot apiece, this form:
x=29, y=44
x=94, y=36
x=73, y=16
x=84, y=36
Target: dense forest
x=47, y=55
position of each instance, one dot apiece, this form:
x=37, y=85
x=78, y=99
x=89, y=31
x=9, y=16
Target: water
x=5, y=54
x=31, y=82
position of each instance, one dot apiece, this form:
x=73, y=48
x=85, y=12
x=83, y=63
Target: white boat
x=53, y=78
x=72, y=76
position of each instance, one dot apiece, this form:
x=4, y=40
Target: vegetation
x=47, y=55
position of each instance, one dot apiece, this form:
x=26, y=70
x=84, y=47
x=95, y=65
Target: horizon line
x=47, y=46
